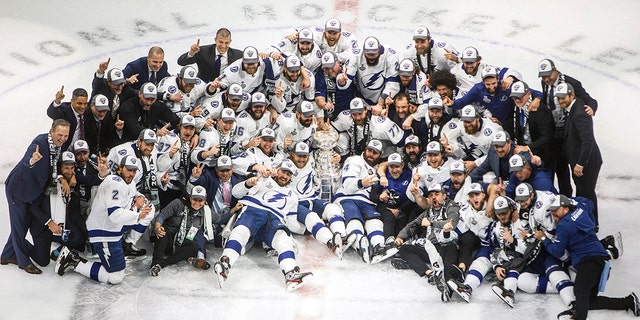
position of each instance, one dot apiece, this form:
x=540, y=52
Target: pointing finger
x=37, y=148
x=62, y=88
x=166, y=126
x=198, y=43
x=118, y=117
x=108, y=60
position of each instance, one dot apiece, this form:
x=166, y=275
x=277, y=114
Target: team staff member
x=151, y=68
x=211, y=59
x=575, y=234
x=27, y=196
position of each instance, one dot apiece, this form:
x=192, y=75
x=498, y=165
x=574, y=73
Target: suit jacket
x=491, y=164
x=578, y=89
x=205, y=59
x=99, y=85
x=210, y=181
x=580, y=145
x=107, y=137
x=140, y=66
x=64, y=111
x=137, y=119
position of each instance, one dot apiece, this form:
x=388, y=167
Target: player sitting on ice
x=266, y=202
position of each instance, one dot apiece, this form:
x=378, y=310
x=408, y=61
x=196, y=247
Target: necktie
x=116, y=105
x=226, y=195
x=81, y=126
x=152, y=77
x=218, y=63
x=98, y=137
x=550, y=102
x=521, y=117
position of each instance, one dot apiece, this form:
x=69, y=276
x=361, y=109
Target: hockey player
x=332, y=38
x=117, y=205
x=266, y=202
x=248, y=124
x=295, y=127
x=434, y=120
x=334, y=83
x=234, y=98
x=434, y=170
x=413, y=82
x=467, y=71
x=302, y=46
x=261, y=159
x=181, y=92
x=311, y=209
x=429, y=54
x=357, y=127
x=377, y=74
x=525, y=167
x=469, y=138
x=174, y=153
x=358, y=176
x=459, y=183
x=216, y=141
x=289, y=90
x=250, y=72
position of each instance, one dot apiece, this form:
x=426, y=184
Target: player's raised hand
x=59, y=95
x=279, y=91
x=213, y=150
x=427, y=82
x=119, y=124
x=370, y=180
x=102, y=67
x=196, y=112
x=287, y=141
x=165, y=178
x=196, y=172
x=103, y=168
x=448, y=227
x=195, y=48
x=174, y=149
x=450, y=56
x=343, y=77
x=384, y=196
x=293, y=36
x=35, y=156
x=163, y=131
x=252, y=181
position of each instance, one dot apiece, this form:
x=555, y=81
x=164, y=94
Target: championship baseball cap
x=224, y=163
x=406, y=68
x=434, y=147
x=235, y=92
x=470, y=54
x=563, y=89
x=228, y=114
x=489, y=71
x=329, y=59
x=130, y=162
x=115, y=76
x=147, y=136
x=149, y=90
x=287, y=165
x=250, y=55
x=375, y=145
x=68, y=157
x=189, y=74
x=561, y=201
x=258, y=99
x=468, y=113
x=80, y=146
x=421, y=33
x=394, y=159
x=435, y=103
x=457, y=166
x=371, y=45
x=292, y=63
x=545, y=67
x=188, y=121
x=516, y=163
x=100, y=102
x=198, y=192
x=301, y=149
x=523, y=191
x=332, y=25
x=519, y=89
x=356, y=105
x=501, y=205
x=500, y=138
x=305, y=35
x=306, y=108
x=434, y=187
x=267, y=133
x=475, y=188
x=412, y=139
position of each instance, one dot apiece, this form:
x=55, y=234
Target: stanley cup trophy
x=326, y=172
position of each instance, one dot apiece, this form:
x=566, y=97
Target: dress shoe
x=5, y=262
x=30, y=268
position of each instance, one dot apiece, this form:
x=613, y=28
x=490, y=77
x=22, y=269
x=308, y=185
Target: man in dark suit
x=497, y=160
x=211, y=59
x=551, y=77
x=113, y=85
x=215, y=180
x=580, y=147
x=73, y=112
x=28, y=200
x=151, y=68
x=101, y=133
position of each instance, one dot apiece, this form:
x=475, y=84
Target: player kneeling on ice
x=116, y=207
x=358, y=176
x=180, y=232
x=434, y=240
x=311, y=209
x=266, y=202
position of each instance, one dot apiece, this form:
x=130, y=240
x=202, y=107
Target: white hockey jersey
x=111, y=210
x=503, y=250
x=539, y=217
x=178, y=165
x=243, y=161
x=209, y=138
x=466, y=81
x=293, y=93
x=212, y=106
x=438, y=59
x=169, y=86
x=303, y=181
x=268, y=195
x=380, y=128
x=374, y=81
x=430, y=175
x=247, y=128
x=311, y=61
x=251, y=83
x=354, y=170
x=466, y=146
x=288, y=124
x=153, y=168
x=476, y=221
x=347, y=41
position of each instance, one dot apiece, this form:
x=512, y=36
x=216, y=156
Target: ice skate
x=383, y=252
x=365, y=250
x=441, y=284
x=504, y=294
x=221, y=268
x=132, y=251
x=295, y=279
x=335, y=244
x=400, y=263
x=461, y=289
x=349, y=240
x=155, y=270
x=67, y=260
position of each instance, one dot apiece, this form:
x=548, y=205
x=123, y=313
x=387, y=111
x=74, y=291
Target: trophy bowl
x=326, y=140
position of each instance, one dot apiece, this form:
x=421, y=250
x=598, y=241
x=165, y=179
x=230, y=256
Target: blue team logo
x=504, y=98
x=172, y=89
x=304, y=185
x=452, y=125
x=233, y=69
x=122, y=152
x=346, y=33
x=488, y=132
x=391, y=51
x=538, y=204
x=276, y=199
x=319, y=29
x=319, y=54
x=381, y=119
x=441, y=44
x=281, y=44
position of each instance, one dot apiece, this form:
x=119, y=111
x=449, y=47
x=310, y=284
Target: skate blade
x=508, y=300
x=390, y=253
x=454, y=287
x=293, y=286
x=618, y=240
